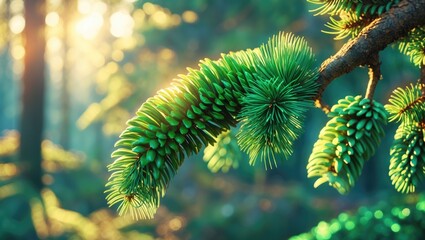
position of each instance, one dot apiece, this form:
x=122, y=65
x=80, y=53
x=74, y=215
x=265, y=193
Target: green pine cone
x=181, y=120
x=407, y=164
x=349, y=138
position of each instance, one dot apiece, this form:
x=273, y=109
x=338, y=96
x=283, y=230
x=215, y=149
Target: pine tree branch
x=374, y=75
x=381, y=32
x=320, y=104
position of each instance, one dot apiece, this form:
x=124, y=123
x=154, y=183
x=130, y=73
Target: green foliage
x=224, y=153
x=359, y=7
x=347, y=25
x=348, y=18
x=399, y=221
x=182, y=119
x=407, y=105
x=351, y=16
x=414, y=46
x=346, y=142
x=273, y=108
x=407, y=165
x=408, y=149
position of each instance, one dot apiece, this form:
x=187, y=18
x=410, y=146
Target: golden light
x=54, y=44
x=160, y=19
x=86, y=7
x=128, y=42
x=18, y=52
x=175, y=224
x=16, y=6
x=189, y=16
x=17, y=24
x=90, y=25
x=117, y=55
x=8, y=190
x=166, y=54
x=54, y=47
x=149, y=8
x=129, y=68
x=175, y=19
x=52, y=19
x=122, y=24
x=8, y=170
x=97, y=59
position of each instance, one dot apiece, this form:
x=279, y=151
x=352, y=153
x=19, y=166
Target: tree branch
x=381, y=32
x=374, y=75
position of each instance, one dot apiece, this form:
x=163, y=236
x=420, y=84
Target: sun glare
x=52, y=19
x=89, y=26
x=17, y=24
x=122, y=24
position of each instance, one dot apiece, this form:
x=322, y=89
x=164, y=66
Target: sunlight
x=89, y=6
x=190, y=16
x=8, y=170
x=17, y=24
x=122, y=24
x=18, y=52
x=117, y=55
x=16, y=6
x=54, y=44
x=52, y=19
x=90, y=25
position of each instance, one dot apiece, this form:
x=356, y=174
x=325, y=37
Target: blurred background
x=103, y=59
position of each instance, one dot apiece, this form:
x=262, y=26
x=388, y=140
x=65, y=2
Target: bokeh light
x=52, y=19
x=89, y=26
x=17, y=24
x=122, y=24
x=189, y=16
x=18, y=52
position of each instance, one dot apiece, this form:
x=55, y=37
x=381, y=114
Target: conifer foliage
x=347, y=141
x=348, y=18
x=267, y=91
x=275, y=82
x=407, y=164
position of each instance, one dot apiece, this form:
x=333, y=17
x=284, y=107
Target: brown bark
x=374, y=75
x=381, y=32
x=33, y=93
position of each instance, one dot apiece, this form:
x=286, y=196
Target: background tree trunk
x=69, y=8
x=5, y=72
x=33, y=88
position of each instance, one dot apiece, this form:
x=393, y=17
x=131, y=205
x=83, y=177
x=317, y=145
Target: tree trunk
x=65, y=95
x=5, y=71
x=33, y=82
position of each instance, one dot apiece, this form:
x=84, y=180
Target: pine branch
x=320, y=104
x=374, y=75
x=407, y=105
x=268, y=89
x=386, y=29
